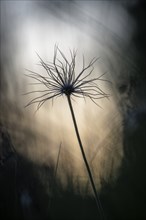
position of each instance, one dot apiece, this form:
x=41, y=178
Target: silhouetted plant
x=62, y=80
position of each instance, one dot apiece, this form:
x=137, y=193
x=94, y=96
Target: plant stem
x=85, y=159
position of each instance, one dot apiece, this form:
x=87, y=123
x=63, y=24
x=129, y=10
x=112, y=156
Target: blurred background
x=42, y=172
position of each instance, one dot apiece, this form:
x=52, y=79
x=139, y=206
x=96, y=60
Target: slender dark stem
x=85, y=159
x=53, y=184
x=55, y=173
